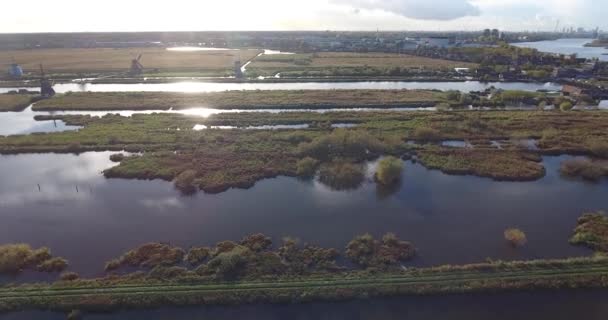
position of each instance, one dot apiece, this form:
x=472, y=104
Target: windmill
x=136, y=67
x=15, y=71
x=46, y=87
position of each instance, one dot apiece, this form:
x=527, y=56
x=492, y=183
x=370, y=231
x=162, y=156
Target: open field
x=15, y=102
x=220, y=159
x=95, y=296
x=106, y=60
x=343, y=63
x=242, y=100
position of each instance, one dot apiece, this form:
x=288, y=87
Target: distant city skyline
x=262, y=15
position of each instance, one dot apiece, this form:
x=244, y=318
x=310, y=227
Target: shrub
x=426, y=134
x=117, y=157
x=566, y=106
x=307, y=167
x=343, y=143
x=69, y=276
x=341, y=175
x=14, y=258
x=515, y=237
x=598, y=148
x=389, y=170
x=229, y=264
x=584, y=168
x=53, y=265
x=197, y=255
x=256, y=242
x=366, y=251
x=148, y=255
x=185, y=181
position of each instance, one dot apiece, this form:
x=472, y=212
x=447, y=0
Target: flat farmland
x=105, y=60
x=270, y=64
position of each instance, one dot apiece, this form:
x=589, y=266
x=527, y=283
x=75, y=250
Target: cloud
x=417, y=9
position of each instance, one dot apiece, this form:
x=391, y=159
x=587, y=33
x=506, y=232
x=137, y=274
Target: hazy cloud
x=418, y=9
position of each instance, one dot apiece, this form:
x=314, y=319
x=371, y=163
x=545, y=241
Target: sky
x=230, y=15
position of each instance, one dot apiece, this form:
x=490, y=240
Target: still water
x=193, y=87
x=12, y=123
x=88, y=219
x=568, y=46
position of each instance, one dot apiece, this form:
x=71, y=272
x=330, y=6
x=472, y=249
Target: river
x=194, y=87
x=89, y=219
x=568, y=46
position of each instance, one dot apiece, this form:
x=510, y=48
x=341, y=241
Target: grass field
x=110, y=296
x=328, y=63
x=242, y=100
x=14, y=102
x=107, y=60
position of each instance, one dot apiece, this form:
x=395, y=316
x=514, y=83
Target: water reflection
x=194, y=87
x=451, y=219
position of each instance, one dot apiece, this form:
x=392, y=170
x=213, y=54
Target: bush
x=307, y=167
x=14, y=258
x=256, y=242
x=515, y=237
x=584, y=168
x=598, y=148
x=117, y=157
x=197, y=255
x=366, y=251
x=389, y=170
x=426, y=134
x=343, y=143
x=148, y=255
x=341, y=175
x=69, y=276
x=53, y=265
x=566, y=106
x=185, y=181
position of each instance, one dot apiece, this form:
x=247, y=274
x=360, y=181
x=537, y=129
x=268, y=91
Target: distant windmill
x=136, y=67
x=46, y=87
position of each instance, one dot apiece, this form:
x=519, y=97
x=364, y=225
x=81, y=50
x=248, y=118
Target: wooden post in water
x=77, y=189
x=39, y=189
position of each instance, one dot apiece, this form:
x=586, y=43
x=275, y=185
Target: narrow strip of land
x=63, y=295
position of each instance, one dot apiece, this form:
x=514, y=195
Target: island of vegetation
x=168, y=147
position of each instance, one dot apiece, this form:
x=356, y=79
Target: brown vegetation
x=271, y=99
x=516, y=237
x=15, y=102
x=15, y=258
x=371, y=253
x=592, y=231
x=148, y=255
x=590, y=170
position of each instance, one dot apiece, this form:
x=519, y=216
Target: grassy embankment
x=345, y=64
x=220, y=159
x=250, y=271
x=273, y=99
x=75, y=63
x=490, y=277
x=15, y=102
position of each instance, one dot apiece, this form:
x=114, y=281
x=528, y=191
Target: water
x=562, y=305
x=194, y=87
x=431, y=209
x=200, y=127
x=23, y=122
x=567, y=46
x=457, y=144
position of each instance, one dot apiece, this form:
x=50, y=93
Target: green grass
x=273, y=99
x=221, y=159
x=95, y=296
